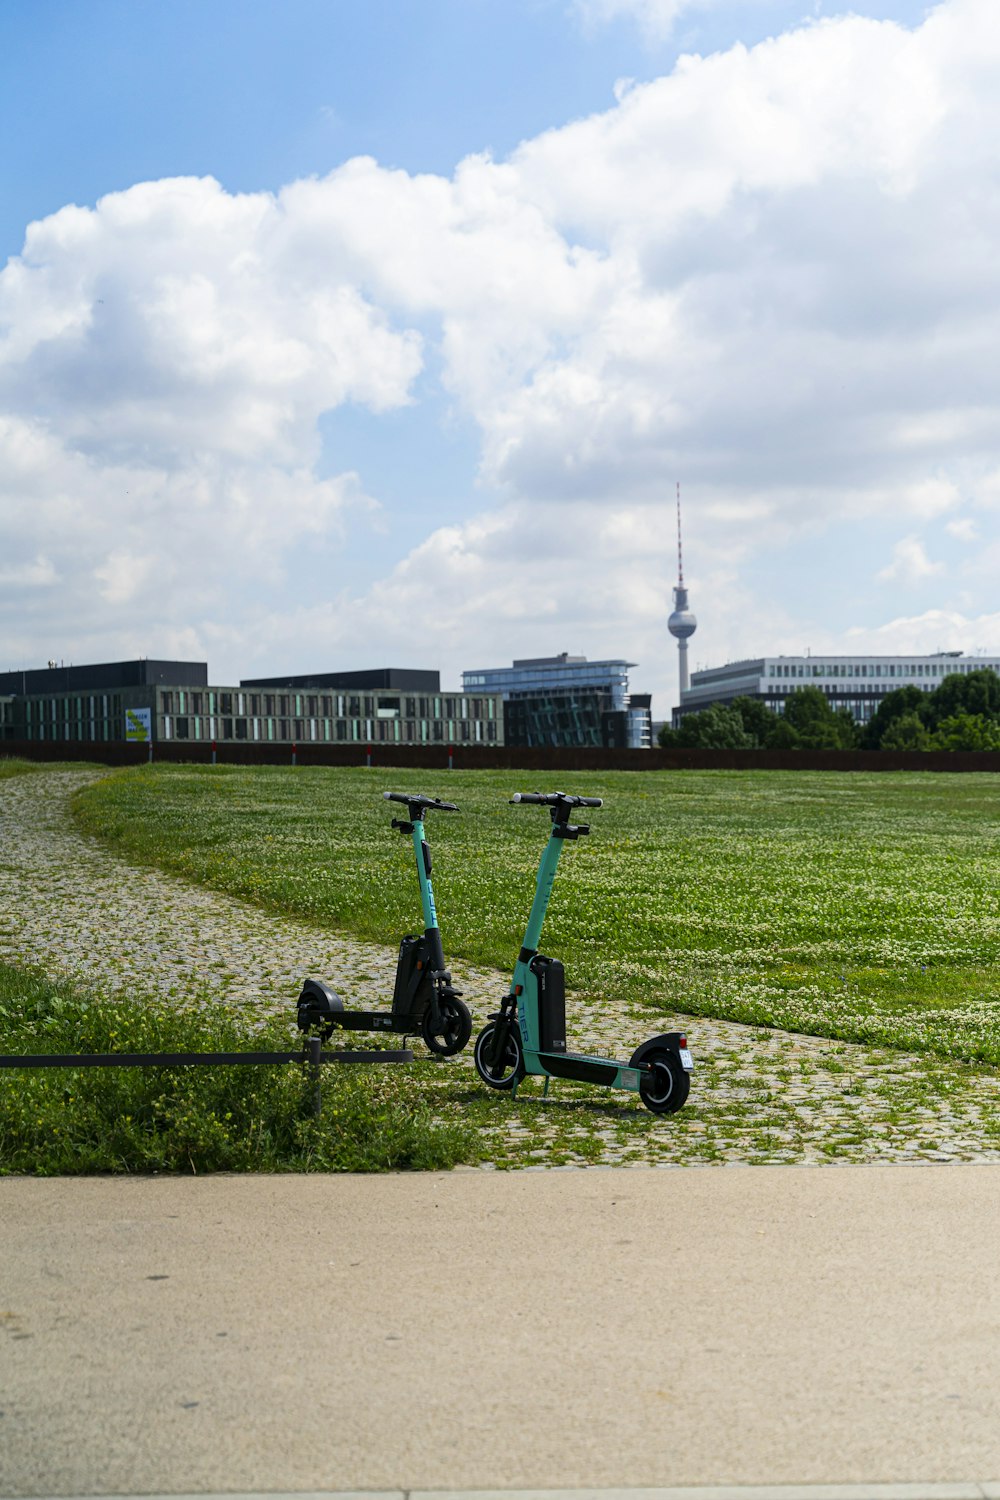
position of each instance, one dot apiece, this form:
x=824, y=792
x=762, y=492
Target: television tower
x=682, y=622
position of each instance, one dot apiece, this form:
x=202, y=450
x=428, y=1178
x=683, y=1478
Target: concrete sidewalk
x=480, y=1331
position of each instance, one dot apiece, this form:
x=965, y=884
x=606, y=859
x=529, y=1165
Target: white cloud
x=964, y=529
x=38, y=573
x=919, y=635
x=910, y=563
x=655, y=18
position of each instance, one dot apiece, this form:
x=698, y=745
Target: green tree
x=966, y=732
x=784, y=736
x=905, y=702
x=817, y=725
x=666, y=736
x=717, y=727
x=974, y=693
x=905, y=732
x=759, y=721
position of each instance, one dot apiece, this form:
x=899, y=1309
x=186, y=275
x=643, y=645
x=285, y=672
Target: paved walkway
x=758, y=1096
x=517, y=1330
x=681, y=1492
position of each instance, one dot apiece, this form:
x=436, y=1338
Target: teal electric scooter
x=528, y=1034
x=424, y=1000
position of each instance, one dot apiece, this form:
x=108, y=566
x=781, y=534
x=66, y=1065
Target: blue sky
x=305, y=411
x=101, y=94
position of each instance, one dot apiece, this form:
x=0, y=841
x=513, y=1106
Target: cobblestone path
x=75, y=910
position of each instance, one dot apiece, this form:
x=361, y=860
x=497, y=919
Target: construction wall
x=472, y=757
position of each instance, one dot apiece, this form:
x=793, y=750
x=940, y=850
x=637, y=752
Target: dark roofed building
x=172, y=701
x=400, y=679
x=102, y=676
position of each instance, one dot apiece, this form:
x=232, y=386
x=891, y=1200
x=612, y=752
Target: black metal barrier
x=312, y=1055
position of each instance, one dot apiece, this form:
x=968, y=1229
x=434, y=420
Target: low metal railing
x=312, y=1055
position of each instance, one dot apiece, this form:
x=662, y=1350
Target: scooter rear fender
x=671, y=1040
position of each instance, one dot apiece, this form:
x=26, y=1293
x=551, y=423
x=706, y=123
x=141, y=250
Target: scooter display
x=528, y=1034
x=424, y=1001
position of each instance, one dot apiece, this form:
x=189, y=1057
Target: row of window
x=862, y=710
x=62, y=710
x=304, y=731
x=880, y=670
x=878, y=689
x=97, y=730
x=321, y=705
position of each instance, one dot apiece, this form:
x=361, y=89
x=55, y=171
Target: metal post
x=295, y=759
x=316, y=1069
x=451, y=757
x=213, y=753
x=149, y=753
x=369, y=757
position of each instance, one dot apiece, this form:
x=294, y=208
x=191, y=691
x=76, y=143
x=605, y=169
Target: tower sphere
x=682, y=623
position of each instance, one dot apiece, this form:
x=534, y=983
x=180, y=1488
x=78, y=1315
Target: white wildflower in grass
x=865, y=907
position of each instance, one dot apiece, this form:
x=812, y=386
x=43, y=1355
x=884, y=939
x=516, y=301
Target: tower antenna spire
x=680, y=554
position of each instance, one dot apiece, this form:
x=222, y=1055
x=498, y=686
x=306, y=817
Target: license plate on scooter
x=687, y=1061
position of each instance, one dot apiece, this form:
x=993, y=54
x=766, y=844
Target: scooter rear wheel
x=664, y=1089
x=456, y=1026
x=509, y=1069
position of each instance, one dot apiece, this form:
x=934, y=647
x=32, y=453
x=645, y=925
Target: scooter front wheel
x=506, y=1070
x=664, y=1089
x=455, y=1028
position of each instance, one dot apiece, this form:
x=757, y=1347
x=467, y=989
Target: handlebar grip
x=418, y=800
x=555, y=799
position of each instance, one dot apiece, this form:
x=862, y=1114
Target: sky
x=338, y=335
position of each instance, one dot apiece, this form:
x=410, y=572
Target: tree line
x=962, y=713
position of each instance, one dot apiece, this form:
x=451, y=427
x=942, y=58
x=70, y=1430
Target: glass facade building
x=567, y=700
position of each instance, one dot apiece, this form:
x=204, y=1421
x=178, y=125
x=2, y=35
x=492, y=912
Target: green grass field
x=9, y=766
x=857, y=906
x=214, y=1119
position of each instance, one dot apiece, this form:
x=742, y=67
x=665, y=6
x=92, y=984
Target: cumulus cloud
x=655, y=18
x=933, y=630
x=910, y=563
x=771, y=273
x=163, y=365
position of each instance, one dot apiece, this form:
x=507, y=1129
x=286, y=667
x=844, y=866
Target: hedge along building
x=173, y=701
x=857, y=683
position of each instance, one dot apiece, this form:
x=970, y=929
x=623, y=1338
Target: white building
x=857, y=683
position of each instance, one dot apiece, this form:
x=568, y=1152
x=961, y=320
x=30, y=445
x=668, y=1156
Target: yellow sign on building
x=138, y=725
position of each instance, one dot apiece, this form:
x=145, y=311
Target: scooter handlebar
x=557, y=799
x=420, y=801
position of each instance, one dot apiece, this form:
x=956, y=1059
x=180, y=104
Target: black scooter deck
x=583, y=1069
x=375, y=1020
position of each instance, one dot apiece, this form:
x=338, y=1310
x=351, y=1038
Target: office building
x=171, y=701
x=857, y=683
x=567, y=700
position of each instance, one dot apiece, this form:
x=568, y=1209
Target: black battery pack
x=551, y=979
x=412, y=990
